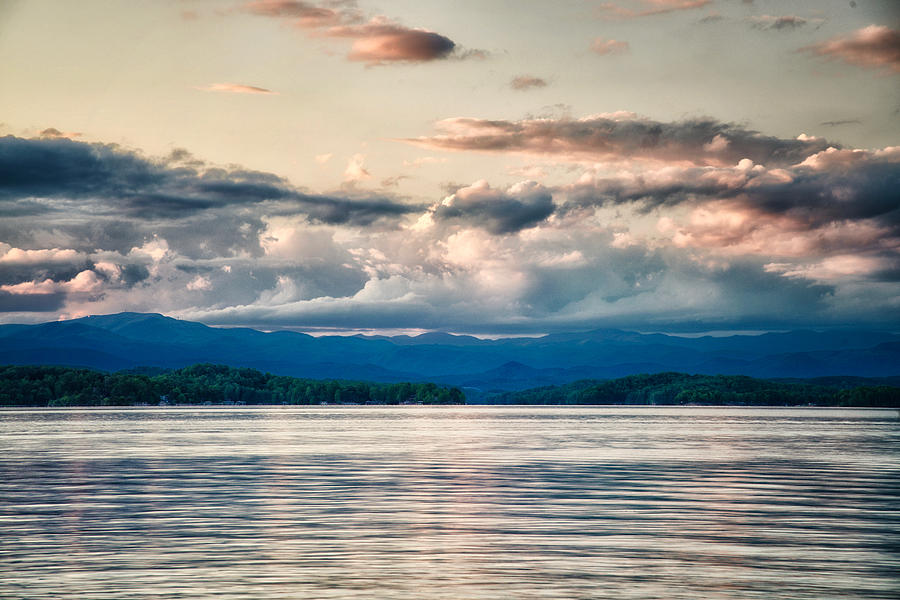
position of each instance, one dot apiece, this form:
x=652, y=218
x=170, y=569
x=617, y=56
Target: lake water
x=449, y=503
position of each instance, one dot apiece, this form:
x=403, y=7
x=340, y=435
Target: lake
x=463, y=502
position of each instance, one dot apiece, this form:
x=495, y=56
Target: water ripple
x=455, y=503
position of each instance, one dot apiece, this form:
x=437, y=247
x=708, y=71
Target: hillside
x=129, y=340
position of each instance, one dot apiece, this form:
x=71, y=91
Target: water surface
x=449, y=502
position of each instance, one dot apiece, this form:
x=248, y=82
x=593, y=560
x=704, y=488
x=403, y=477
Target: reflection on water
x=456, y=503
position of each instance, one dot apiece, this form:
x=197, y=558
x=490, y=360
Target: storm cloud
x=521, y=206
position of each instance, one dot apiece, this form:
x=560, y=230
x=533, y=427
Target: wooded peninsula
x=201, y=384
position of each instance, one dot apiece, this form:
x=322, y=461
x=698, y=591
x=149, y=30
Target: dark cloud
x=875, y=46
x=121, y=182
x=133, y=274
x=613, y=274
x=343, y=211
x=834, y=185
x=31, y=302
x=62, y=167
x=841, y=122
x=23, y=208
x=866, y=191
x=781, y=23
x=522, y=206
x=622, y=136
x=15, y=274
x=651, y=192
x=765, y=296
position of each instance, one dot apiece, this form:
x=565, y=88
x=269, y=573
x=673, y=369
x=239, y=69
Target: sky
x=490, y=167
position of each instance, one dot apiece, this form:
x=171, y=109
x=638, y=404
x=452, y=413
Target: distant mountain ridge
x=128, y=340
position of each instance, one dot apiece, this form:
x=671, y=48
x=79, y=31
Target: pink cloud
x=356, y=169
x=235, y=88
x=647, y=8
x=304, y=14
x=602, y=46
x=84, y=282
x=17, y=256
x=380, y=41
x=377, y=41
x=875, y=46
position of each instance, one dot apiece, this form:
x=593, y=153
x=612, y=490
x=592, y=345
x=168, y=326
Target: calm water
x=455, y=503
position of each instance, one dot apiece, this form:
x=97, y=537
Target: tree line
x=201, y=384
x=680, y=388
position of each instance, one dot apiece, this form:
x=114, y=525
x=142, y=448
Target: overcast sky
x=475, y=166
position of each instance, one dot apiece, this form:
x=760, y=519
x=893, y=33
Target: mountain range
x=130, y=340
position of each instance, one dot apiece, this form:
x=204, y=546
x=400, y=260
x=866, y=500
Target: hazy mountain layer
x=127, y=340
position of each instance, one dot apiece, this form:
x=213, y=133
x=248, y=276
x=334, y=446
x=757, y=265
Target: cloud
x=527, y=82
x=841, y=122
x=603, y=47
x=356, y=170
x=833, y=202
x=782, y=23
x=85, y=282
x=648, y=8
x=53, y=132
x=621, y=136
x=659, y=226
x=199, y=283
x=713, y=17
x=875, y=46
x=18, y=256
x=106, y=180
x=31, y=303
x=380, y=41
x=375, y=41
x=522, y=206
x=829, y=185
x=303, y=14
x=235, y=88
x=360, y=212
x=422, y=161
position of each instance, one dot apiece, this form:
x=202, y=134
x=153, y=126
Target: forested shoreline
x=680, y=389
x=201, y=384
x=56, y=386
